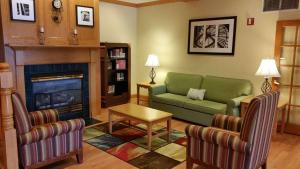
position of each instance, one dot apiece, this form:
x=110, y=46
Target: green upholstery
x=206, y=106
x=184, y=114
x=233, y=105
x=223, y=96
x=157, y=89
x=222, y=89
x=179, y=83
x=171, y=99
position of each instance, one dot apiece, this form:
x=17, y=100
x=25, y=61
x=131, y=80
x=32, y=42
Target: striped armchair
x=42, y=138
x=232, y=142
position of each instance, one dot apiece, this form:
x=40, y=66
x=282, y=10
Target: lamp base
x=152, y=76
x=152, y=82
x=266, y=86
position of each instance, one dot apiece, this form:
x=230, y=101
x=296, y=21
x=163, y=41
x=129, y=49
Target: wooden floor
x=284, y=153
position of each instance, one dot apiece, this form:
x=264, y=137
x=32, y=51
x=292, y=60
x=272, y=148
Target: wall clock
x=57, y=7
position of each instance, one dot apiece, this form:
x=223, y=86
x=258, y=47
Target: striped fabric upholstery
x=226, y=122
x=226, y=150
x=219, y=149
x=49, y=138
x=259, y=133
x=44, y=117
x=51, y=130
x=22, y=122
x=52, y=147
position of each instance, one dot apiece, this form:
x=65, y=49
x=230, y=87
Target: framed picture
x=212, y=36
x=22, y=10
x=85, y=16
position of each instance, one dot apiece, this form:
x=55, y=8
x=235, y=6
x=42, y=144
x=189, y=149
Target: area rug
x=130, y=145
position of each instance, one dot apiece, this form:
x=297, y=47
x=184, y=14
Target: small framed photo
x=85, y=16
x=22, y=10
x=214, y=36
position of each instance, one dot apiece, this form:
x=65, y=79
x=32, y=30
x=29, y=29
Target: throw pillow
x=196, y=94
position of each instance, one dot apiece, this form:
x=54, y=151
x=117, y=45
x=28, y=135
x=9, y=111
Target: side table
x=141, y=85
x=281, y=107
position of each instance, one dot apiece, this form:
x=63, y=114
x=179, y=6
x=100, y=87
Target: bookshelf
x=115, y=73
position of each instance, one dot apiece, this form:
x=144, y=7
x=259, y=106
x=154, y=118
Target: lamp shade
x=268, y=69
x=152, y=61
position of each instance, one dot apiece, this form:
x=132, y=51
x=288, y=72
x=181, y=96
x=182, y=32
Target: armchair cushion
x=44, y=117
x=51, y=130
x=226, y=122
x=217, y=137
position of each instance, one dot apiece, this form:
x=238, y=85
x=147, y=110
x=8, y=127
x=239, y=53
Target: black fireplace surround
x=61, y=86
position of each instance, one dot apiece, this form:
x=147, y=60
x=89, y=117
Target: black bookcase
x=115, y=73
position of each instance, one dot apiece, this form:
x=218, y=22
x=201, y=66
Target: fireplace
x=63, y=92
x=60, y=86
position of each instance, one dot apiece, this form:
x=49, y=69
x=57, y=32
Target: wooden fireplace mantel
x=19, y=56
x=20, y=46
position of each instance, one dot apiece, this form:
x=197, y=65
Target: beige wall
x=163, y=30
x=119, y=24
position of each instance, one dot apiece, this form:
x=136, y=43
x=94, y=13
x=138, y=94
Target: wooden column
x=8, y=138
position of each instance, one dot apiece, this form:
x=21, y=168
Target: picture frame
x=22, y=10
x=214, y=36
x=84, y=16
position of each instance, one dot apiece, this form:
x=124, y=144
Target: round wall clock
x=57, y=4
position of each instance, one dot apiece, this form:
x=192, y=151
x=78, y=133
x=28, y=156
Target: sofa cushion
x=196, y=94
x=205, y=106
x=180, y=83
x=170, y=99
x=222, y=89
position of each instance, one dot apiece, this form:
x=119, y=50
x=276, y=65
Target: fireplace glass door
x=61, y=92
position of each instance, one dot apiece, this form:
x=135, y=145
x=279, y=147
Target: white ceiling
x=138, y=1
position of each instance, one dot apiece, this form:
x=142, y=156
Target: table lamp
x=152, y=62
x=267, y=69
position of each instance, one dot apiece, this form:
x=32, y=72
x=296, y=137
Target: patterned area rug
x=130, y=145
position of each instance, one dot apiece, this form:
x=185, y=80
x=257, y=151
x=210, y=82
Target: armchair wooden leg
x=264, y=166
x=189, y=163
x=79, y=157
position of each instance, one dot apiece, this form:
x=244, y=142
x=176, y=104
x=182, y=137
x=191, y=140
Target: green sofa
x=222, y=96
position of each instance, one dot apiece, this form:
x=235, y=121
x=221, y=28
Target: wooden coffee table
x=143, y=115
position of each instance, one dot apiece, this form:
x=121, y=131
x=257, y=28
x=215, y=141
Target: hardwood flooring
x=284, y=153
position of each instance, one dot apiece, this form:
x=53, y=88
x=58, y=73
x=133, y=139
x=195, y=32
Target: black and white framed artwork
x=22, y=10
x=212, y=36
x=85, y=16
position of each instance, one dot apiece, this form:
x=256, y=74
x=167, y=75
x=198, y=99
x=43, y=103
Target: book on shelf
x=118, y=53
x=109, y=66
x=120, y=76
x=111, y=89
x=120, y=64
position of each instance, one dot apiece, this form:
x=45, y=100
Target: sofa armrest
x=233, y=104
x=157, y=89
x=220, y=138
x=231, y=123
x=43, y=117
x=51, y=130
